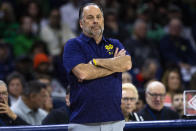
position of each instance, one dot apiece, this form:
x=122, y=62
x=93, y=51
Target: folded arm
x=116, y=64
x=89, y=72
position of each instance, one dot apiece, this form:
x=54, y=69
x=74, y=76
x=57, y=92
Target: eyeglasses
x=157, y=95
x=4, y=94
x=126, y=99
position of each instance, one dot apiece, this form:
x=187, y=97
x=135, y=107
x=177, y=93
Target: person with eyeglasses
x=7, y=116
x=128, y=102
x=155, y=109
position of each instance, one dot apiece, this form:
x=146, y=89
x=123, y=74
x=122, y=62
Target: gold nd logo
x=109, y=48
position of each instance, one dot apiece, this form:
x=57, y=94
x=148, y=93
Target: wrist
x=94, y=62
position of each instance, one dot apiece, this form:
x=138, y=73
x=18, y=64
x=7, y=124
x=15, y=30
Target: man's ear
x=81, y=23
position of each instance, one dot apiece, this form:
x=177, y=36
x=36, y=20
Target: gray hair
x=2, y=83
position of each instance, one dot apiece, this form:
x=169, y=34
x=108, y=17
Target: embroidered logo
x=109, y=49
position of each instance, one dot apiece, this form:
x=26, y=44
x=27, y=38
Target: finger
x=2, y=105
x=123, y=53
x=3, y=112
x=116, y=52
x=120, y=53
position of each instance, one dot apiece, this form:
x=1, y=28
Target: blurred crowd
x=160, y=35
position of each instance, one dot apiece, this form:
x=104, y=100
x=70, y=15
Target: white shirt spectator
x=27, y=114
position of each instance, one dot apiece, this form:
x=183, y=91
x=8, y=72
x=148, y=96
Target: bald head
x=155, y=95
x=155, y=85
x=87, y=6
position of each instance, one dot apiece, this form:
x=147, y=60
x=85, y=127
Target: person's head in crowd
x=141, y=101
x=16, y=83
x=174, y=12
x=26, y=25
x=34, y=95
x=6, y=61
x=4, y=108
x=41, y=63
x=23, y=65
x=39, y=46
x=4, y=52
x=90, y=26
x=55, y=18
x=34, y=10
x=172, y=80
x=126, y=77
x=46, y=79
x=175, y=27
x=111, y=19
x=3, y=92
x=149, y=69
x=143, y=12
x=128, y=12
x=8, y=15
x=177, y=102
x=155, y=95
x=48, y=105
x=129, y=99
x=140, y=29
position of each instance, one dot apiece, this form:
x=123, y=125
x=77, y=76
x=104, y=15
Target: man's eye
x=90, y=17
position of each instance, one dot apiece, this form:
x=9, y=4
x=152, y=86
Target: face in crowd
x=155, y=95
x=3, y=94
x=177, y=102
x=173, y=81
x=129, y=98
x=92, y=21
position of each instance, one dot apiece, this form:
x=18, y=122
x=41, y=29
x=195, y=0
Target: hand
x=117, y=53
x=5, y=109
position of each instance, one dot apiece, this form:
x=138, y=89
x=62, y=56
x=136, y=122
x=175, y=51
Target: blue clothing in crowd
x=97, y=100
x=177, y=49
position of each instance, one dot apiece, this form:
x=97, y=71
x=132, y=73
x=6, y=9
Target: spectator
x=33, y=10
x=154, y=109
x=148, y=72
x=179, y=51
x=69, y=13
x=24, y=65
x=42, y=64
x=54, y=87
x=7, y=116
x=23, y=41
x=112, y=27
x=38, y=47
x=177, y=103
x=48, y=105
x=59, y=115
x=128, y=102
x=126, y=77
x=55, y=34
x=16, y=83
x=140, y=43
x=173, y=82
x=6, y=61
x=28, y=106
x=8, y=23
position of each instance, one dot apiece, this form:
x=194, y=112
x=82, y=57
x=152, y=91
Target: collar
x=25, y=108
x=153, y=110
x=87, y=39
